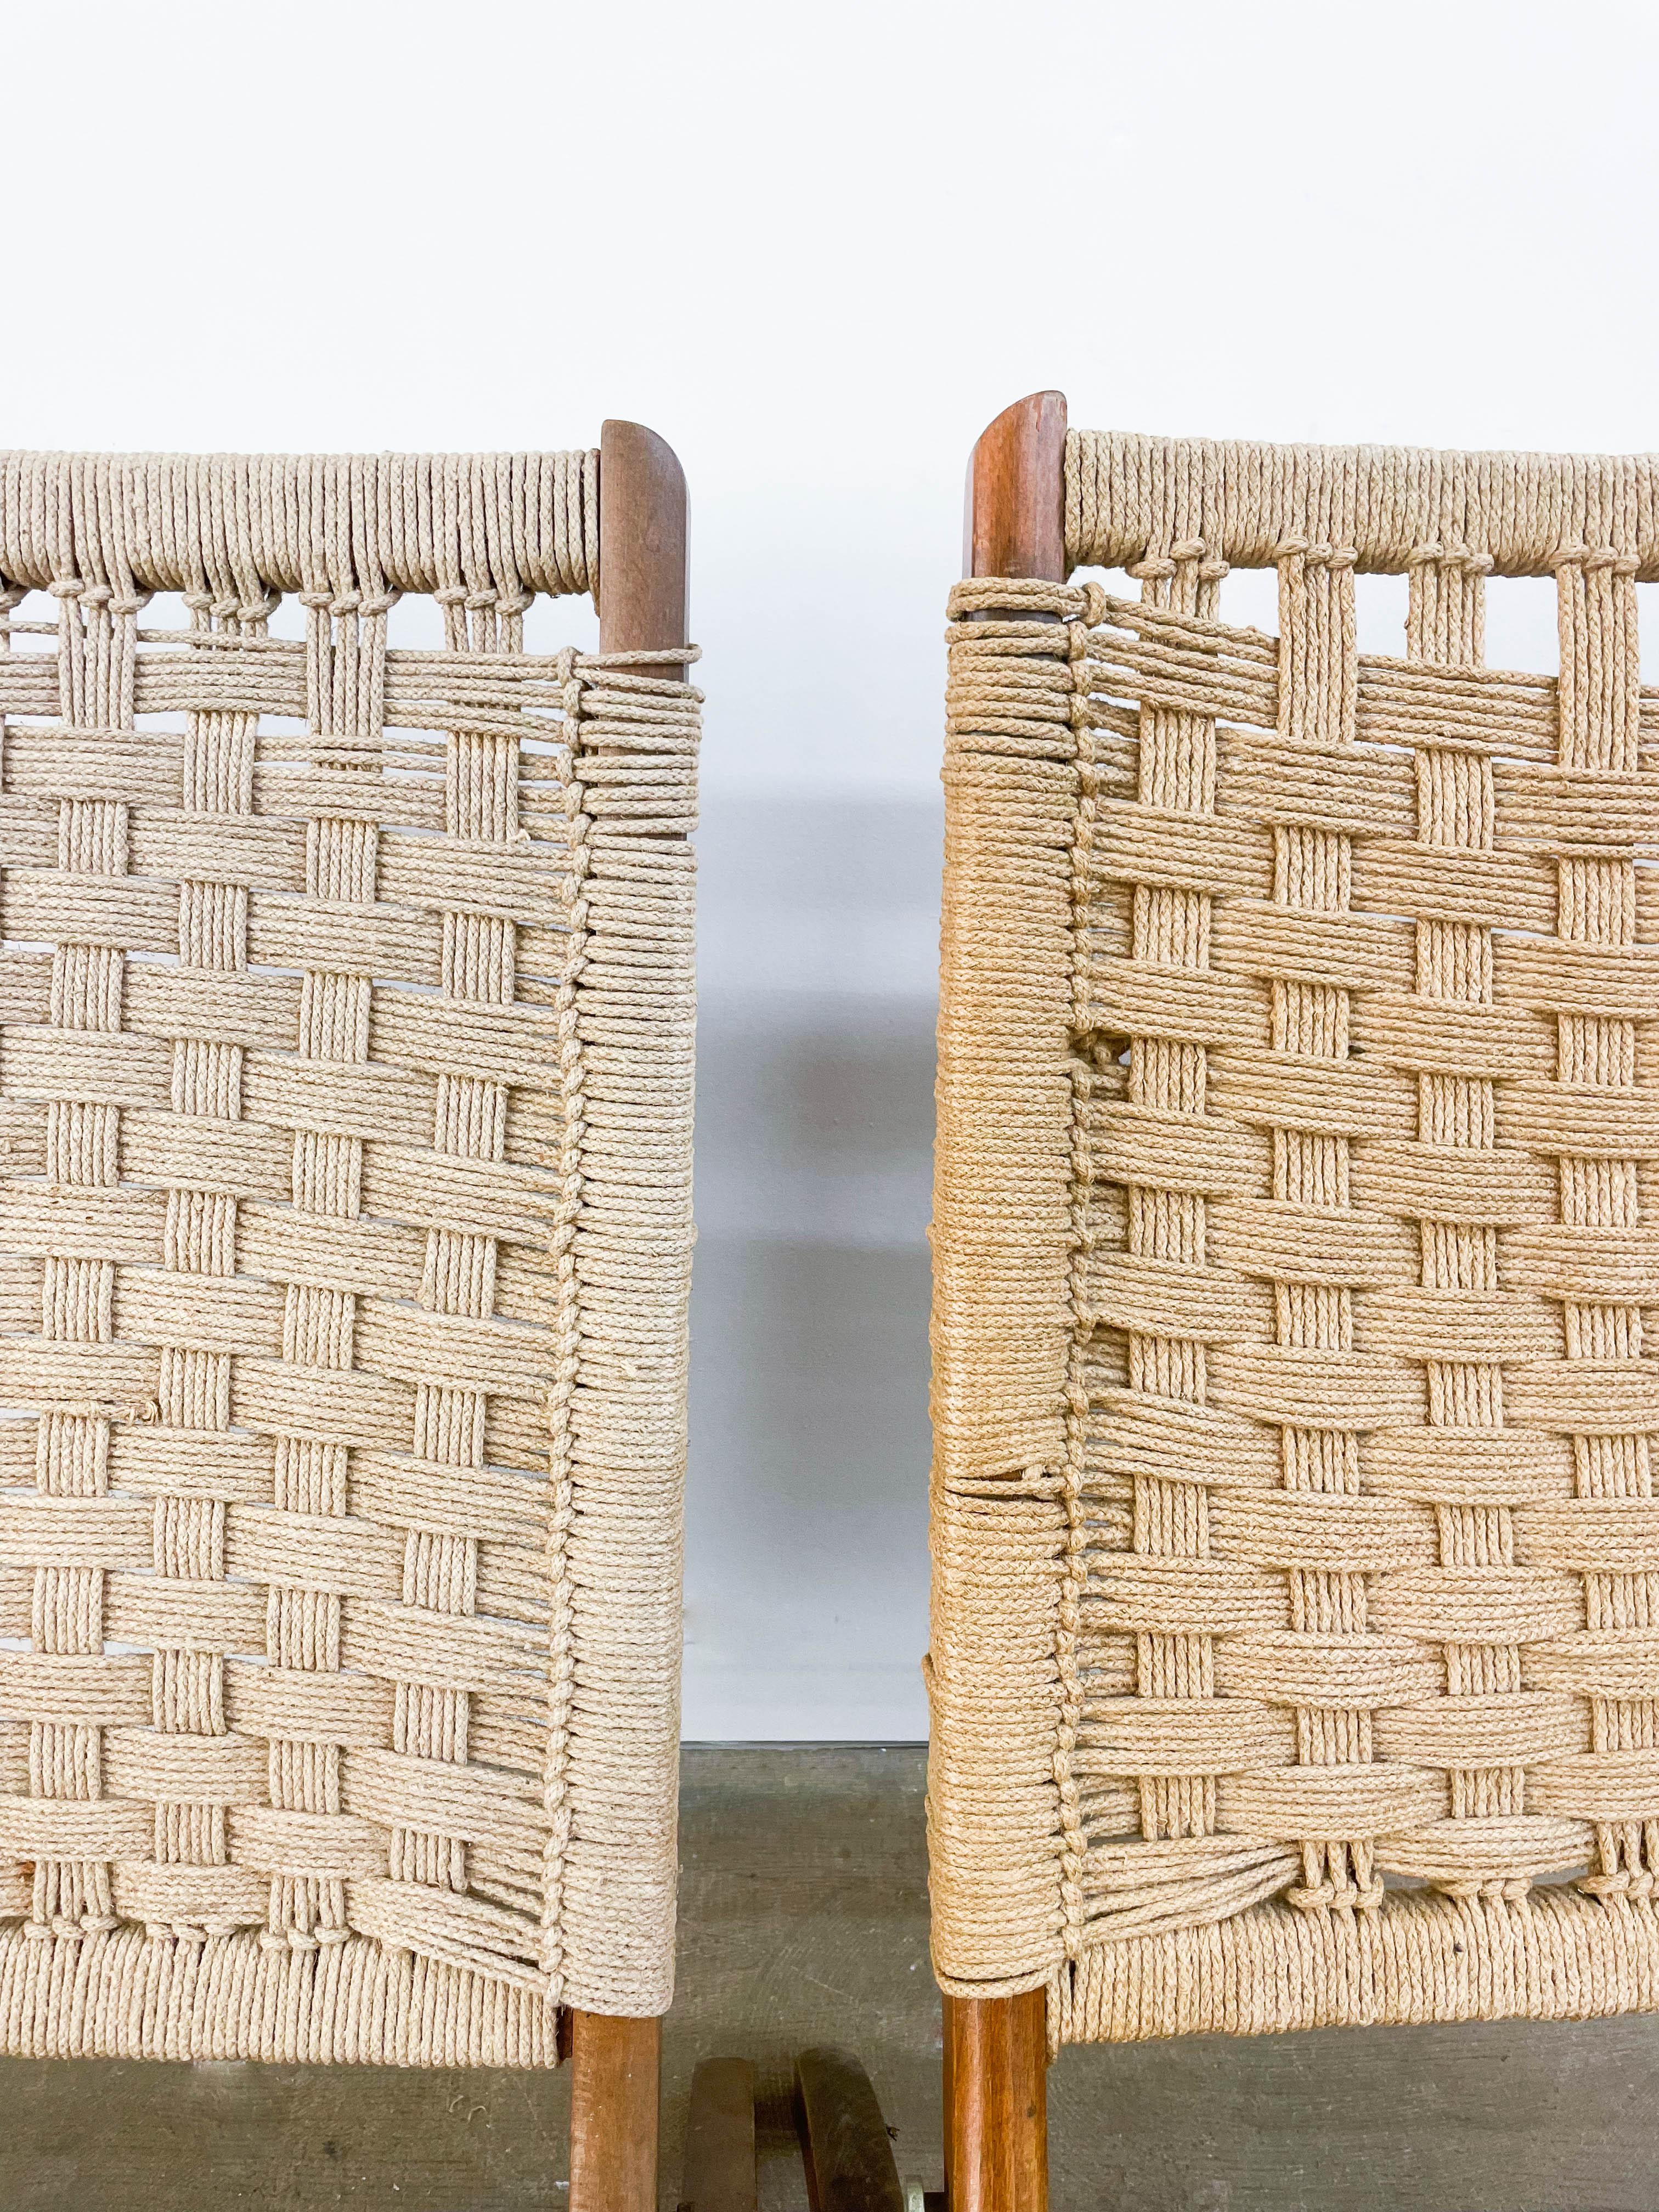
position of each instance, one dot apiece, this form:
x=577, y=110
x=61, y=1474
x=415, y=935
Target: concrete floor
x=803, y=1920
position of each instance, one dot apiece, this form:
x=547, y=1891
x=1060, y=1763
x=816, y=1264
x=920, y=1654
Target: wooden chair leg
x=616, y=2067
x=844, y=2142
x=719, y=2174
x=996, y=2103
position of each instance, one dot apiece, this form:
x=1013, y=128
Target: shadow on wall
x=806, y=1529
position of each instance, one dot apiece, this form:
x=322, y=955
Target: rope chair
x=345, y=1123
x=1295, y=1653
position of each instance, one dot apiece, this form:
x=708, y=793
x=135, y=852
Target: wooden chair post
x=996, y=2121
x=615, y=2063
x=996, y=2103
x=615, y=2070
x=1017, y=493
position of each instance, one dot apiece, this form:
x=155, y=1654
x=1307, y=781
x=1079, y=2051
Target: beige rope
x=1294, y=1525
x=1129, y=499
x=489, y=526
x=345, y=1252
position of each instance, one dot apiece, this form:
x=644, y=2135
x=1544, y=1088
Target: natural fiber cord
x=345, y=1110
x=1296, y=1627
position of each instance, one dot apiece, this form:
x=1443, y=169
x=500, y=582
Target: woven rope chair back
x=344, y=1244
x=1295, y=1638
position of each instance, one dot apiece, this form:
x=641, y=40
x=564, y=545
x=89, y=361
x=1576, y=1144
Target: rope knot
x=1591, y=558
x=258, y=607
x=1311, y=1898
x=1449, y=556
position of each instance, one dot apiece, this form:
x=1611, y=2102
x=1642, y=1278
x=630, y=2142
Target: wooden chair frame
x=616, y=2062
x=996, y=2049
x=640, y=600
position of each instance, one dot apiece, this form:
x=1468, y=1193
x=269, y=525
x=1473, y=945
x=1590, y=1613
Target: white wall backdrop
x=819, y=249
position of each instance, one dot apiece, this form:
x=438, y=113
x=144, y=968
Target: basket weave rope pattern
x=345, y=1095
x=1295, y=1644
